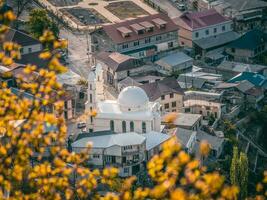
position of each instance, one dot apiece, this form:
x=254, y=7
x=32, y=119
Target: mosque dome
x=133, y=99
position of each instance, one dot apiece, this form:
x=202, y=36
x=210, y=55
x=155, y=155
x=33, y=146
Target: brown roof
x=197, y=20
x=166, y=86
x=116, y=61
x=115, y=35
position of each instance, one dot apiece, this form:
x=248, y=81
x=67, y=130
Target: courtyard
x=86, y=14
x=125, y=9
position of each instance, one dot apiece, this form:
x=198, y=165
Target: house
x=199, y=80
x=126, y=151
x=167, y=93
x=128, y=81
x=175, y=62
x=256, y=79
x=247, y=15
x=187, y=121
x=205, y=31
x=145, y=38
x=117, y=67
x=229, y=69
x=248, y=46
x=204, y=103
x=30, y=47
x=191, y=140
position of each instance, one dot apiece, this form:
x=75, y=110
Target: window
x=162, y=97
x=112, y=125
x=124, y=126
x=207, y=32
x=170, y=44
x=125, y=46
x=96, y=156
x=166, y=106
x=21, y=50
x=127, y=147
x=91, y=119
x=30, y=50
x=91, y=98
x=136, y=157
x=126, y=170
x=136, y=43
x=141, y=54
x=174, y=104
x=132, y=126
x=158, y=38
x=147, y=40
x=171, y=95
x=196, y=34
x=223, y=28
x=215, y=30
x=143, y=127
x=128, y=72
x=81, y=95
x=90, y=86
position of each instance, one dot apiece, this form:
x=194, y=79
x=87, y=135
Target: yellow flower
x=204, y=148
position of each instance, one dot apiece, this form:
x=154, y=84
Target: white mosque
x=131, y=112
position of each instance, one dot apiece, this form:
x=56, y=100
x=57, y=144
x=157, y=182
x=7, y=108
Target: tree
x=239, y=172
x=20, y=6
x=234, y=167
x=39, y=22
x=243, y=170
x=36, y=164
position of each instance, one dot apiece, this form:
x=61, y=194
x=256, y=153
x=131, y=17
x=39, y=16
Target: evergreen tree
x=243, y=172
x=234, y=167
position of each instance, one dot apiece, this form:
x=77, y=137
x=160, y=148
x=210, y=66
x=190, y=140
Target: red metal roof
x=115, y=35
x=203, y=19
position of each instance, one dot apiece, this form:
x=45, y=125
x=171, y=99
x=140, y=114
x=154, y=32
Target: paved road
x=166, y=5
x=78, y=58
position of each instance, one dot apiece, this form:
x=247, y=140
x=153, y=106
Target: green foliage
x=39, y=22
x=239, y=172
x=234, y=167
x=243, y=176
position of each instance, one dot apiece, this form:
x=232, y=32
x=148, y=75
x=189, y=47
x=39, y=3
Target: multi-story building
x=126, y=151
x=167, y=93
x=145, y=38
x=204, y=103
x=247, y=15
x=205, y=31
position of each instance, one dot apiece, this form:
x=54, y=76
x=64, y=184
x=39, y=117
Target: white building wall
x=202, y=32
x=31, y=49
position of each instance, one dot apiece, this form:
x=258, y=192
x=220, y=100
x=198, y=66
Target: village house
x=126, y=151
x=205, y=31
x=145, y=38
x=167, y=93
x=248, y=46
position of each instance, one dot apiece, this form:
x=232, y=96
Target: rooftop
x=218, y=40
x=186, y=119
x=250, y=40
x=241, y=5
x=154, y=139
x=254, y=78
x=197, y=20
x=174, y=59
x=116, y=61
x=240, y=67
x=109, y=140
x=163, y=87
x=156, y=20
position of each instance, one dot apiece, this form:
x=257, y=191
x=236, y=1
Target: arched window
x=124, y=126
x=111, y=125
x=132, y=126
x=143, y=127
